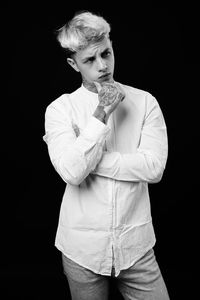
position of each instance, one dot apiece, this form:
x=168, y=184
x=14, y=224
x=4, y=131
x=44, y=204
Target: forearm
x=76, y=162
x=73, y=154
x=139, y=166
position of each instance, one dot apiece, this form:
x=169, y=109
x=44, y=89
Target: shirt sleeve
x=148, y=161
x=73, y=157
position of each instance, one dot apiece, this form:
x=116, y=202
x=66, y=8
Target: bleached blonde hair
x=83, y=29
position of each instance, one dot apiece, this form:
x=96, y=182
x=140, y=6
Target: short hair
x=85, y=28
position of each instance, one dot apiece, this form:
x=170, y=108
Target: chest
x=126, y=126
x=125, y=123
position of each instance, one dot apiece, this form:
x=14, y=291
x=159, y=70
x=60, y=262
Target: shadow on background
x=155, y=50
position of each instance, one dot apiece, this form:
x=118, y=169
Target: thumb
x=98, y=86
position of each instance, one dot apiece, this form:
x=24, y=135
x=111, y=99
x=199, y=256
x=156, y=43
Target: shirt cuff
x=96, y=130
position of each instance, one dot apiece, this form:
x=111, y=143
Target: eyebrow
x=92, y=56
x=87, y=58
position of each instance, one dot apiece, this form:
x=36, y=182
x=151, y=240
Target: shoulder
x=142, y=99
x=63, y=103
x=135, y=91
x=57, y=108
x=139, y=96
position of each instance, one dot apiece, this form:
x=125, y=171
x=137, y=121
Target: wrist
x=100, y=113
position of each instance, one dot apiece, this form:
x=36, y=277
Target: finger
x=118, y=87
x=122, y=98
x=98, y=86
x=121, y=91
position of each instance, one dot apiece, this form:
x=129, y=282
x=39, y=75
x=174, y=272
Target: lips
x=105, y=76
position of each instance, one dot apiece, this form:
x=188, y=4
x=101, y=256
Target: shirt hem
x=135, y=260
x=106, y=273
x=81, y=264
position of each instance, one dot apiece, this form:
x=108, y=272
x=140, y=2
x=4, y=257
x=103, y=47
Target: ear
x=73, y=64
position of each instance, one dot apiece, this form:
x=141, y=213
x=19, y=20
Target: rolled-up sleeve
x=73, y=157
x=148, y=161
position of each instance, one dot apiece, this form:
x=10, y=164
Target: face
x=95, y=63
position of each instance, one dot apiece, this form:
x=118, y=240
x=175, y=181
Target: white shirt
x=105, y=209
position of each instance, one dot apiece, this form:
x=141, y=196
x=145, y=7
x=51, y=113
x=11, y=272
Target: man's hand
x=110, y=95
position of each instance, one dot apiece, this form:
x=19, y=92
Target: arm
x=73, y=157
x=148, y=161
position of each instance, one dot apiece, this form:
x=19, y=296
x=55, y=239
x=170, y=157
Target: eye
x=90, y=60
x=106, y=53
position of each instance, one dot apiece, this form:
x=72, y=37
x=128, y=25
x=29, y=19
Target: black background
x=155, y=50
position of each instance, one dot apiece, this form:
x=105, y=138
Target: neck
x=89, y=86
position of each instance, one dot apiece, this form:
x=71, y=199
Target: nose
x=101, y=65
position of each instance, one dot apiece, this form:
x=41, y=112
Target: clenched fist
x=110, y=95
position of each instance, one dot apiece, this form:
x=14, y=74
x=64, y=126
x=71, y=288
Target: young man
x=107, y=141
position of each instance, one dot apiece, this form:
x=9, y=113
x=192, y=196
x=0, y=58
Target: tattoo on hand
x=109, y=93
